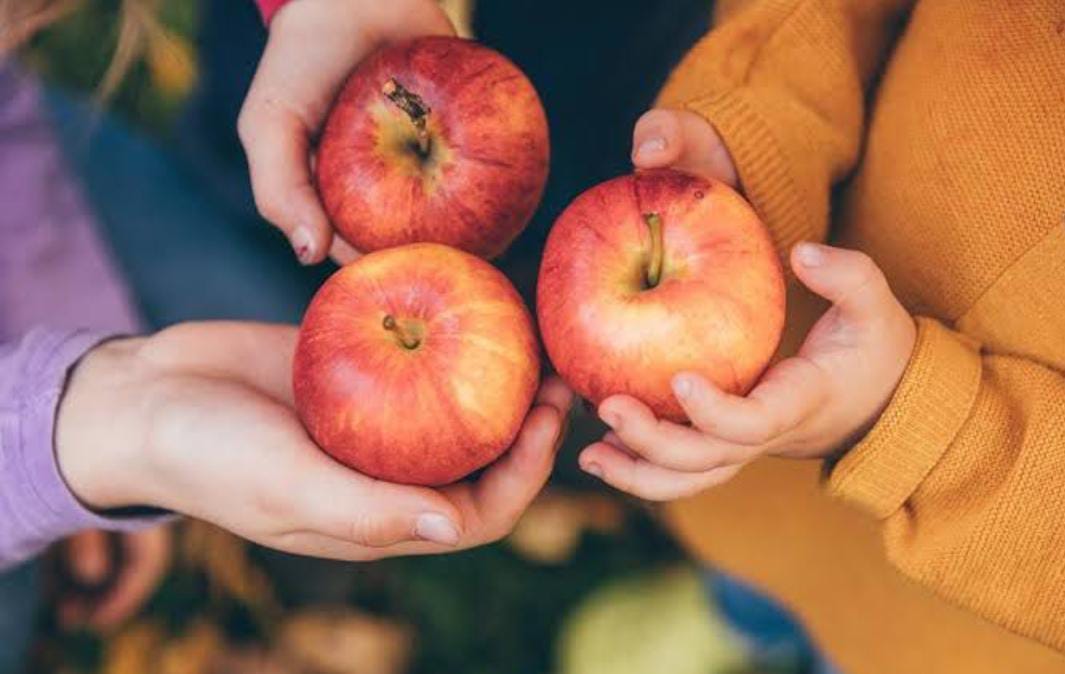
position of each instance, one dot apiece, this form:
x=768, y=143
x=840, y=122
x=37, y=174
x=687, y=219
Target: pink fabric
x=268, y=8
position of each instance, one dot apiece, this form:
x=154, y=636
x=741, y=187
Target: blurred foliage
x=231, y=607
x=77, y=51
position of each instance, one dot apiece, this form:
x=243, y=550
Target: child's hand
x=682, y=140
x=127, y=578
x=807, y=406
x=198, y=419
x=312, y=47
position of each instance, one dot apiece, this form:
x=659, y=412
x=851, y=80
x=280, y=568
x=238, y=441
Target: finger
x=345, y=505
x=147, y=559
x=847, y=278
x=88, y=557
x=665, y=443
x=313, y=544
x=277, y=144
x=555, y=393
x=636, y=476
x=787, y=394
x=258, y=355
x=491, y=507
x=683, y=140
x=343, y=252
x=495, y=502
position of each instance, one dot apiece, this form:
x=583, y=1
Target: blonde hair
x=20, y=20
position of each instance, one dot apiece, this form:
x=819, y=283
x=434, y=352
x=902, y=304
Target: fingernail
x=436, y=528
x=810, y=254
x=650, y=146
x=682, y=386
x=594, y=470
x=302, y=244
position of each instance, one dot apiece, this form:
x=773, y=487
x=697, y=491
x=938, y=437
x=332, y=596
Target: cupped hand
x=110, y=575
x=682, y=140
x=312, y=46
x=198, y=419
x=808, y=406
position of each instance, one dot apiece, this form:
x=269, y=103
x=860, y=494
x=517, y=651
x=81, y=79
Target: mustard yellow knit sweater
x=931, y=135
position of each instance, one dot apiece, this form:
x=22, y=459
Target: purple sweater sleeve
x=36, y=506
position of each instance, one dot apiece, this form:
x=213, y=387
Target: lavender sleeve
x=54, y=271
x=36, y=506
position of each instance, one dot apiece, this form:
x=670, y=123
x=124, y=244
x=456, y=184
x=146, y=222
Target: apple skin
x=430, y=414
x=486, y=166
x=717, y=310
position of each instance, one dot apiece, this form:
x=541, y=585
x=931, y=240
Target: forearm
x=784, y=84
x=965, y=470
x=36, y=505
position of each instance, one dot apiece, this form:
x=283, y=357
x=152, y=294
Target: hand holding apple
x=313, y=46
x=198, y=419
x=438, y=139
x=682, y=140
x=416, y=364
x=657, y=273
x=807, y=406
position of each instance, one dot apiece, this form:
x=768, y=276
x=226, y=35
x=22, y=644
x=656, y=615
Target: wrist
x=100, y=429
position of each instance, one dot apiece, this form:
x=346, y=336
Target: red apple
x=416, y=364
x=648, y=275
x=438, y=139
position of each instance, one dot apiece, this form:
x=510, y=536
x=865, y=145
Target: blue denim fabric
x=19, y=607
x=775, y=640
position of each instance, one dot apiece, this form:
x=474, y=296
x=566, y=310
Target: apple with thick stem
x=655, y=273
x=437, y=139
x=416, y=364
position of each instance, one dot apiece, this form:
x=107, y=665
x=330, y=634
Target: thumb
x=277, y=146
x=682, y=140
x=847, y=278
x=376, y=514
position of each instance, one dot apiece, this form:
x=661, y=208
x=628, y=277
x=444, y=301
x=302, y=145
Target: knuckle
x=368, y=530
x=762, y=433
x=268, y=206
x=867, y=273
x=247, y=121
x=271, y=505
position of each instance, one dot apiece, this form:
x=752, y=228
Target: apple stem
x=412, y=104
x=408, y=340
x=654, y=268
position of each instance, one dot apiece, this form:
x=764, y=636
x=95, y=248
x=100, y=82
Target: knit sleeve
x=784, y=82
x=36, y=506
x=966, y=470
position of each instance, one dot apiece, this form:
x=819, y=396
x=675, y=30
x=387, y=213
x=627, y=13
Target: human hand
x=807, y=406
x=312, y=47
x=682, y=140
x=198, y=419
x=109, y=576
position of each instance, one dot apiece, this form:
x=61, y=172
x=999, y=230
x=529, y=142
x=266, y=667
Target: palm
x=230, y=429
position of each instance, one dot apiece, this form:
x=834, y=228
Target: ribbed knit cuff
x=36, y=505
x=760, y=163
x=931, y=403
